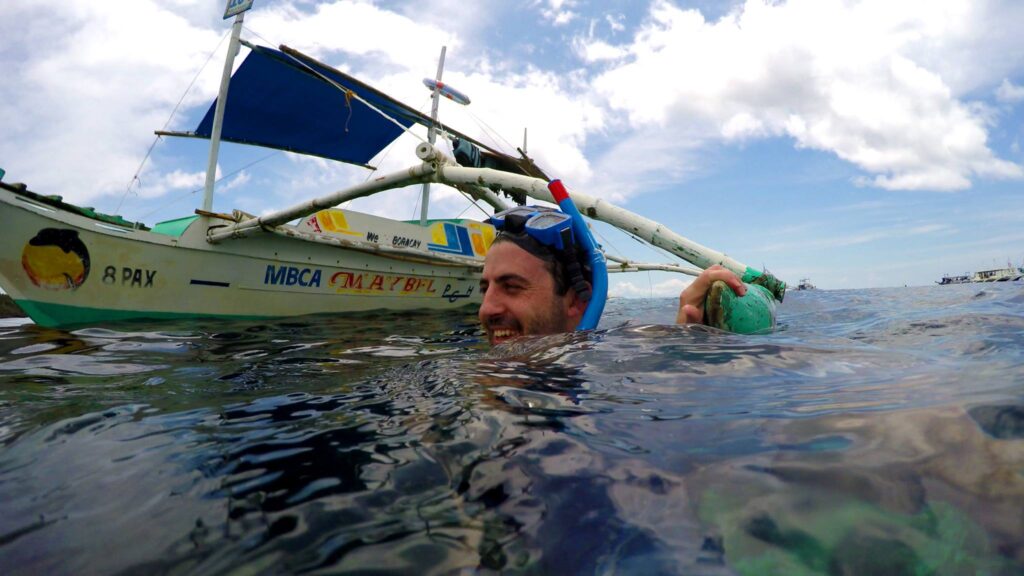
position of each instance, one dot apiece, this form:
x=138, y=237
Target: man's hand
x=691, y=299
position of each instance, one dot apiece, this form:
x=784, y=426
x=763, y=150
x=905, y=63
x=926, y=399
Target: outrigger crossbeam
x=625, y=265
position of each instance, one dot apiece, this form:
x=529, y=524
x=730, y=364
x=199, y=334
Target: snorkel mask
x=563, y=232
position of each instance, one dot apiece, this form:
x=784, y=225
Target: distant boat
x=997, y=275
x=805, y=284
x=1008, y=274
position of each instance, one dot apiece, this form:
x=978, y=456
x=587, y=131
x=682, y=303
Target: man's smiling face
x=519, y=296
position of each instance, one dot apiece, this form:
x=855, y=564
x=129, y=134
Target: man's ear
x=576, y=304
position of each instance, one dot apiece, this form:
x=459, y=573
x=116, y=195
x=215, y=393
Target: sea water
x=875, y=432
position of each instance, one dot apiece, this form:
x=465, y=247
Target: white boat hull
x=63, y=268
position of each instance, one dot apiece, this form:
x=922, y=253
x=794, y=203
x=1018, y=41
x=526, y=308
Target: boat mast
x=237, y=9
x=432, y=133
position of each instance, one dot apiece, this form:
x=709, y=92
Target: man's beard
x=552, y=320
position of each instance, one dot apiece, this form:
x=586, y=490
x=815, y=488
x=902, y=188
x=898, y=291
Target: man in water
x=528, y=289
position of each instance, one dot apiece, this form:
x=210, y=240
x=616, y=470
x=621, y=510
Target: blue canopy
x=286, y=100
x=282, y=100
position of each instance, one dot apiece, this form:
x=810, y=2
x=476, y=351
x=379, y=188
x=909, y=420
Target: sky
x=858, y=144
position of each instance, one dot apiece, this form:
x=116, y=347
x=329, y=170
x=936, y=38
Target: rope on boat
x=349, y=92
x=135, y=177
x=493, y=134
x=348, y=104
x=217, y=181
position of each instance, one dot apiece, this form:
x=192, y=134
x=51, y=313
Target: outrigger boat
x=68, y=265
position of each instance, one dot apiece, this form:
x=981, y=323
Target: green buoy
x=752, y=313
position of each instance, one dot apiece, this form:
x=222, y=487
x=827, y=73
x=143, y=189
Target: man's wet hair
x=554, y=261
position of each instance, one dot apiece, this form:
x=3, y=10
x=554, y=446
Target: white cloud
x=665, y=288
x=391, y=40
x=833, y=239
x=646, y=159
x=558, y=12
x=180, y=180
x=471, y=26
x=237, y=181
x=596, y=51
x=154, y=184
x=615, y=22
x=84, y=93
x=833, y=76
x=1009, y=92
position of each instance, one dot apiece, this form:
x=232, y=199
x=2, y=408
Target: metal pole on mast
x=432, y=134
x=218, y=114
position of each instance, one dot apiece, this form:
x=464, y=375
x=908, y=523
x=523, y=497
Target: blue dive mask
x=545, y=225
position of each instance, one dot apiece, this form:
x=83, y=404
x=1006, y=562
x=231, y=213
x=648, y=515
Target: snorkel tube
x=599, y=279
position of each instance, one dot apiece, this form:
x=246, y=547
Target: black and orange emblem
x=56, y=259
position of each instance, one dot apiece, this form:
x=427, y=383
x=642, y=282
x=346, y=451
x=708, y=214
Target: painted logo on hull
x=372, y=283
x=56, y=259
x=292, y=276
x=331, y=220
x=469, y=239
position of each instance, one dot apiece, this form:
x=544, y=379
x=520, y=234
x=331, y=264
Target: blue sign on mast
x=236, y=7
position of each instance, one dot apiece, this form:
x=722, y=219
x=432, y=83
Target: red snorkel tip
x=558, y=191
